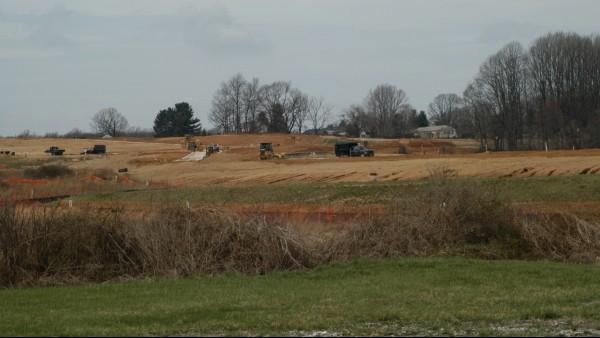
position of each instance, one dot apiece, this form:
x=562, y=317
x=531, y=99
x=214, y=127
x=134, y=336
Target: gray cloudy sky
x=63, y=60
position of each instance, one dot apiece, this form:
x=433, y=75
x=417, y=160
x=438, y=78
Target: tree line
x=172, y=121
x=547, y=96
x=385, y=112
x=544, y=97
x=242, y=106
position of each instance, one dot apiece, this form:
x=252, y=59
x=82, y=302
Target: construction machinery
x=267, y=153
x=192, y=144
x=352, y=149
x=55, y=151
x=97, y=149
x=212, y=148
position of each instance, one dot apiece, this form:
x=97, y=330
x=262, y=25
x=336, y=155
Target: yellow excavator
x=191, y=144
x=267, y=153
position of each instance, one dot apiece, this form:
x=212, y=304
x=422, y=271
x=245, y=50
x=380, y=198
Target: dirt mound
x=31, y=181
x=127, y=181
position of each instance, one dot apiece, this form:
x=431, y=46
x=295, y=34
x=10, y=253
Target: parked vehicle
x=212, y=148
x=95, y=150
x=361, y=151
x=55, y=151
x=352, y=149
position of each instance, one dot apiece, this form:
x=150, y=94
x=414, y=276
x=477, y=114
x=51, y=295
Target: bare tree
x=564, y=71
x=228, y=105
x=384, y=102
x=444, y=108
x=480, y=109
x=280, y=98
x=503, y=76
x=109, y=121
x=318, y=113
x=357, y=120
x=251, y=102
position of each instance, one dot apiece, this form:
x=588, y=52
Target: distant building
x=435, y=132
x=363, y=134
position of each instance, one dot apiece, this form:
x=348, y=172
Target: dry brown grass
x=56, y=180
x=48, y=171
x=468, y=221
x=47, y=246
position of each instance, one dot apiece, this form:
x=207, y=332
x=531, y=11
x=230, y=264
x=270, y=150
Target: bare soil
x=154, y=160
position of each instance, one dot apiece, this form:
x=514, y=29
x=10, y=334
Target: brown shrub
x=51, y=245
x=561, y=236
x=104, y=173
x=441, y=173
x=211, y=241
x=47, y=246
x=467, y=221
x=403, y=149
x=448, y=220
x=48, y=171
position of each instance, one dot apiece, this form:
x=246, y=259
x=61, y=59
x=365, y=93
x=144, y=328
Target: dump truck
x=97, y=149
x=352, y=149
x=267, y=153
x=55, y=151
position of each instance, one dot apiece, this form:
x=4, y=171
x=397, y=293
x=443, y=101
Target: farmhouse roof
x=433, y=128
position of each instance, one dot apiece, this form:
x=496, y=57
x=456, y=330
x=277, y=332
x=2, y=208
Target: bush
x=48, y=171
x=48, y=246
x=453, y=219
x=403, y=149
x=449, y=221
x=105, y=173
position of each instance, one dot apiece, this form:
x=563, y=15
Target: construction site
x=97, y=210
x=300, y=158
x=254, y=162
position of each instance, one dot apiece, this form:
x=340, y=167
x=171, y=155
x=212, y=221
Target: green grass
x=552, y=189
x=403, y=296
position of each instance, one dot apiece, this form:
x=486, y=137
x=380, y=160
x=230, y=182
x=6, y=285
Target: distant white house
x=107, y=136
x=435, y=132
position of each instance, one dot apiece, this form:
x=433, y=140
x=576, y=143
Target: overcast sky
x=61, y=61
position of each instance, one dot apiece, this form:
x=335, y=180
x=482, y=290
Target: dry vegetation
x=40, y=246
x=54, y=245
x=465, y=221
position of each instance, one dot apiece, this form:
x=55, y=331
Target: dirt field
x=155, y=160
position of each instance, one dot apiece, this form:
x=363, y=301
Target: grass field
x=553, y=196
x=581, y=188
x=405, y=296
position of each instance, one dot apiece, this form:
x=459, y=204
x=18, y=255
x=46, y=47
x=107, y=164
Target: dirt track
x=238, y=164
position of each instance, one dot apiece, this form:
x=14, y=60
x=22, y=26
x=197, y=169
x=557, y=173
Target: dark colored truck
x=95, y=150
x=352, y=149
x=55, y=151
